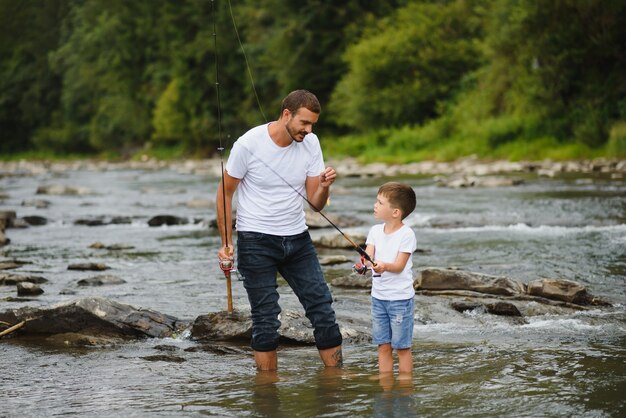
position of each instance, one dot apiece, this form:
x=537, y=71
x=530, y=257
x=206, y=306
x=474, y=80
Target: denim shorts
x=260, y=258
x=392, y=322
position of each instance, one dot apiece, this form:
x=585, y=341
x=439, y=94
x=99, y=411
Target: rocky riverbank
x=348, y=167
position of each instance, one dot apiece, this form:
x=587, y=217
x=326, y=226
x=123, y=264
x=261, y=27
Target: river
x=469, y=364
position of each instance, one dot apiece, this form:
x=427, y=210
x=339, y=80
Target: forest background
x=399, y=80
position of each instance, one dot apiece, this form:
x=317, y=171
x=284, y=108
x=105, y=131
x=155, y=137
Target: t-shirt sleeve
x=408, y=244
x=316, y=163
x=237, y=164
x=371, y=236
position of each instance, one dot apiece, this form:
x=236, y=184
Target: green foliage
x=399, y=80
x=69, y=138
x=161, y=152
x=403, y=67
x=29, y=91
x=563, y=59
x=616, y=147
x=169, y=121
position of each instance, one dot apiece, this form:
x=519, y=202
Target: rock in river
x=294, y=328
x=28, y=289
x=93, y=316
x=101, y=280
x=88, y=266
x=448, y=279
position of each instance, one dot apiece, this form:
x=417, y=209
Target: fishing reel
x=360, y=268
x=227, y=265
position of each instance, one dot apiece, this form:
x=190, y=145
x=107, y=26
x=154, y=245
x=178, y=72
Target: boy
x=391, y=245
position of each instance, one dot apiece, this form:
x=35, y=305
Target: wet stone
x=88, y=266
x=220, y=349
x=28, y=289
x=93, y=316
x=329, y=260
x=164, y=357
x=63, y=190
x=497, y=308
x=295, y=328
x=101, y=280
x=336, y=240
x=167, y=220
x=356, y=281
x=166, y=347
x=74, y=339
x=13, y=279
x=37, y=203
x=35, y=220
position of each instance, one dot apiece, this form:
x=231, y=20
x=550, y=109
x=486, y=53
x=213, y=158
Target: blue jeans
x=392, y=322
x=261, y=257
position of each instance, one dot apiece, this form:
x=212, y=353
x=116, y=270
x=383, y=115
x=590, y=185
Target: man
x=273, y=166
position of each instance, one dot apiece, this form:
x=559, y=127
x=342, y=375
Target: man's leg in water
x=301, y=269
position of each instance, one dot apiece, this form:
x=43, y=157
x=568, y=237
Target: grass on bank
x=490, y=140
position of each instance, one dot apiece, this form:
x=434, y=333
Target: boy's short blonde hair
x=401, y=196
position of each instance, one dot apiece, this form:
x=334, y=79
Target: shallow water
x=471, y=364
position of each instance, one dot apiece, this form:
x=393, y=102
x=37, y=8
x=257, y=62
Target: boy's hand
x=379, y=266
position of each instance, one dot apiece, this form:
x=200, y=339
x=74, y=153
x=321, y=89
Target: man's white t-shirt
x=393, y=286
x=266, y=199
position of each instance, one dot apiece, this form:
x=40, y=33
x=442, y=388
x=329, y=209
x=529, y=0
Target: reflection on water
x=469, y=364
x=448, y=380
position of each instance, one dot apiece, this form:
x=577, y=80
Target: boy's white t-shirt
x=266, y=202
x=393, y=286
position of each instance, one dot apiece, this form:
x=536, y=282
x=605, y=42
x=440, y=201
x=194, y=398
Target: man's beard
x=294, y=134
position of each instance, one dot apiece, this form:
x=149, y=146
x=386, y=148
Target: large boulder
x=294, y=328
x=353, y=281
x=448, y=279
x=337, y=240
x=315, y=220
x=564, y=290
x=93, y=316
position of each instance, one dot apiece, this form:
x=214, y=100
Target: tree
x=563, y=59
x=29, y=91
x=407, y=64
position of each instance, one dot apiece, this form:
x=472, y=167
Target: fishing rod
x=358, y=248
x=225, y=265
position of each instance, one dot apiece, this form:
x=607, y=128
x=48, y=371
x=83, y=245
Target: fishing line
x=360, y=250
x=245, y=57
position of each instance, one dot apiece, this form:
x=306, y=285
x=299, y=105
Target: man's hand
x=225, y=253
x=327, y=177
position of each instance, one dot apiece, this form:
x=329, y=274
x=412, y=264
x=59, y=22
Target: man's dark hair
x=301, y=98
x=400, y=196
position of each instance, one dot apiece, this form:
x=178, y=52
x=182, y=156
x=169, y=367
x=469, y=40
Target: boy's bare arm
x=396, y=267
